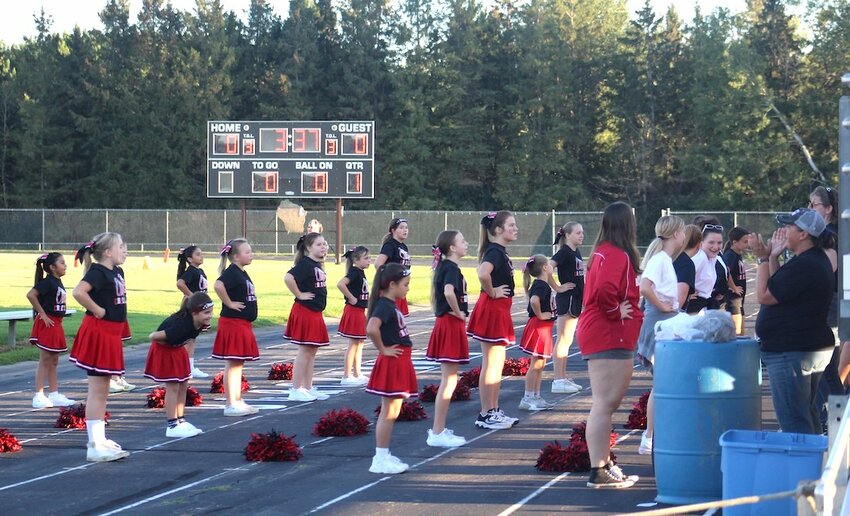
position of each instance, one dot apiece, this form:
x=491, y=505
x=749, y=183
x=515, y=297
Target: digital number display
x=225, y=181
x=355, y=182
x=274, y=139
x=248, y=146
x=355, y=144
x=306, y=140
x=225, y=144
x=264, y=182
x=331, y=147
x=314, y=182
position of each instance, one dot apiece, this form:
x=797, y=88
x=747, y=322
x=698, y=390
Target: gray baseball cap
x=806, y=219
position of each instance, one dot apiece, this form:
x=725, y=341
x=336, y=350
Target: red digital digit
x=248, y=147
x=360, y=144
x=330, y=147
x=271, y=182
x=320, y=183
x=280, y=141
x=231, y=144
x=299, y=140
x=357, y=179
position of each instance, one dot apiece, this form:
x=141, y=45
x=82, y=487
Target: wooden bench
x=15, y=316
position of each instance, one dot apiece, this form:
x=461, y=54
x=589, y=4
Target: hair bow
x=437, y=254
x=487, y=220
x=528, y=263
x=226, y=249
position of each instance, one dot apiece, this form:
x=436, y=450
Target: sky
x=16, y=21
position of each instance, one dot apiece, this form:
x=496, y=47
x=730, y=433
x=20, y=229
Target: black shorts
x=696, y=304
x=568, y=304
x=735, y=305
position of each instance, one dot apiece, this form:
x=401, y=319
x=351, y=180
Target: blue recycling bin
x=702, y=389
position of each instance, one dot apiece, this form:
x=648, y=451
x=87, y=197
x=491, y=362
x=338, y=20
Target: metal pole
x=42, y=230
x=735, y=219
x=554, y=229
x=275, y=235
x=844, y=202
x=107, y=220
x=167, y=222
x=338, y=228
x=244, y=218
x=224, y=236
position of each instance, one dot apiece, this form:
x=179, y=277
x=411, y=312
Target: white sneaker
x=570, y=382
x=120, y=385
x=445, y=439
x=190, y=425
x=236, y=411
x=543, y=403
x=510, y=420
x=105, y=452
x=41, y=401
x=183, y=430
x=364, y=378
x=387, y=465
x=351, y=381
x=321, y=396
x=564, y=387
x=249, y=408
x=301, y=394
x=197, y=373
x=530, y=403
x=645, y=447
x=59, y=400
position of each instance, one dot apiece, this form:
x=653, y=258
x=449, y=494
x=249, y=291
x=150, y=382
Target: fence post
x=445, y=221
x=224, y=237
x=275, y=234
x=42, y=231
x=554, y=231
x=107, y=220
x=167, y=228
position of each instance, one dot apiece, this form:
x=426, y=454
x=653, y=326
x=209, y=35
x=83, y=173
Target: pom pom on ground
x=637, y=417
x=280, y=371
x=156, y=398
x=272, y=447
x=341, y=423
x=193, y=397
x=429, y=393
x=74, y=417
x=8, y=442
x=410, y=411
x=217, y=385
x=470, y=378
x=516, y=366
x=573, y=457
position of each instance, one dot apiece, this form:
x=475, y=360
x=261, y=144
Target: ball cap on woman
x=806, y=219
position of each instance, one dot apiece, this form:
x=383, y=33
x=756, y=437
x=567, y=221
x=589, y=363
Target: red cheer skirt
x=537, y=337
x=353, y=322
x=394, y=377
x=235, y=340
x=401, y=303
x=167, y=363
x=97, y=346
x=448, y=342
x=306, y=327
x=125, y=331
x=49, y=338
x=491, y=321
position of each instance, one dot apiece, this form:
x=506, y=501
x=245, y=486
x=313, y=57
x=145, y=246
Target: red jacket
x=610, y=280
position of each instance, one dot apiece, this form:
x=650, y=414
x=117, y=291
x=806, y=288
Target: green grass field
x=152, y=294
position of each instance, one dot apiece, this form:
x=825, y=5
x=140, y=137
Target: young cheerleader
x=537, y=335
x=235, y=341
x=352, y=325
x=306, y=327
x=393, y=377
x=394, y=250
x=97, y=347
x=47, y=298
x=168, y=359
x=490, y=322
x=660, y=288
x=448, y=343
x=705, y=265
x=739, y=241
x=569, y=291
x=190, y=279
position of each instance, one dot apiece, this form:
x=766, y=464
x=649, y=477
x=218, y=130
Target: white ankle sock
x=382, y=452
x=191, y=363
x=96, y=429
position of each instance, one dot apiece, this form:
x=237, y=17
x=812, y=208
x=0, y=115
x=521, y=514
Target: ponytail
x=563, y=231
x=95, y=248
x=303, y=243
x=42, y=265
x=489, y=223
x=227, y=252
x=440, y=251
x=734, y=235
x=183, y=259
x=386, y=274
x=532, y=269
x=197, y=302
x=666, y=227
x=352, y=255
x=394, y=224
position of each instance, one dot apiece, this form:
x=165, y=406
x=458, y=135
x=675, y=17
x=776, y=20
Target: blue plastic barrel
x=702, y=389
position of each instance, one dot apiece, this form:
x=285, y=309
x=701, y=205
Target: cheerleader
x=705, y=265
x=235, y=341
x=168, y=358
x=490, y=322
x=739, y=241
x=355, y=290
x=97, y=347
x=47, y=298
x=393, y=377
x=190, y=279
x=537, y=335
x=394, y=250
x=568, y=292
x=305, y=326
x=448, y=343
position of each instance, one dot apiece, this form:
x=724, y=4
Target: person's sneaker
x=387, y=465
x=105, y=452
x=445, y=439
x=249, y=408
x=350, y=381
x=645, y=447
x=543, y=403
x=570, y=383
x=363, y=379
x=183, y=430
x=59, y=400
x=190, y=425
x=41, y=401
x=301, y=394
x=491, y=421
x=120, y=384
x=236, y=411
x=501, y=415
x=610, y=477
x=197, y=373
x=319, y=395
x=563, y=387
x=530, y=403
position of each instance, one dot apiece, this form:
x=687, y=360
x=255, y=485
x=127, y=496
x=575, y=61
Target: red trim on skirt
x=401, y=303
x=537, y=338
x=491, y=321
x=235, y=340
x=167, y=363
x=97, y=346
x=448, y=342
x=49, y=338
x=352, y=325
x=306, y=327
x=394, y=377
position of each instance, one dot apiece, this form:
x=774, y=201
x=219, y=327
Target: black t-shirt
x=52, y=296
x=178, y=329
x=721, y=284
x=803, y=287
x=240, y=289
x=358, y=286
x=686, y=272
x=503, y=269
x=570, y=268
x=310, y=277
x=832, y=240
x=544, y=292
x=738, y=270
x=396, y=252
x=195, y=279
x=108, y=291
x=448, y=273
x=393, y=329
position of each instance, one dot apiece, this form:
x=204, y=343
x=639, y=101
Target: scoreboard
x=328, y=159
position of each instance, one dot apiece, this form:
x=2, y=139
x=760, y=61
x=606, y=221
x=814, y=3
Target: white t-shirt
x=659, y=269
x=706, y=274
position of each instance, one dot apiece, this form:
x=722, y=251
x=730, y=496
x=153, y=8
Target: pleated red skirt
x=49, y=338
x=448, y=342
x=401, y=303
x=394, y=377
x=537, y=337
x=235, y=340
x=306, y=327
x=491, y=321
x=97, y=346
x=125, y=331
x=167, y=363
x=352, y=325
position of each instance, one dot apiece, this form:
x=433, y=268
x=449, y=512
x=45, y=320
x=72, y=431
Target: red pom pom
x=217, y=385
x=272, y=446
x=429, y=393
x=75, y=417
x=341, y=423
x=8, y=442
x=516, y=366
x=573, y=457
x=470, y=378
x=461, y=393
x=193, y=397
x=280, y=371
x=637, y=417
x=410, y=411
x=156, y=398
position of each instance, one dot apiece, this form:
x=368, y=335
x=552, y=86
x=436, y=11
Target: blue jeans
x=794, y=378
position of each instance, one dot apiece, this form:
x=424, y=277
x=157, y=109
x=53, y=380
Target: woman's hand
x=392, y=351
x=779, y=242
x=625, y=310
x=305, y=296
x=46, y=320
x=501, y=291
x=236, y=305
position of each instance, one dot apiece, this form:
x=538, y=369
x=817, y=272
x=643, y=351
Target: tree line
x=535, y=105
